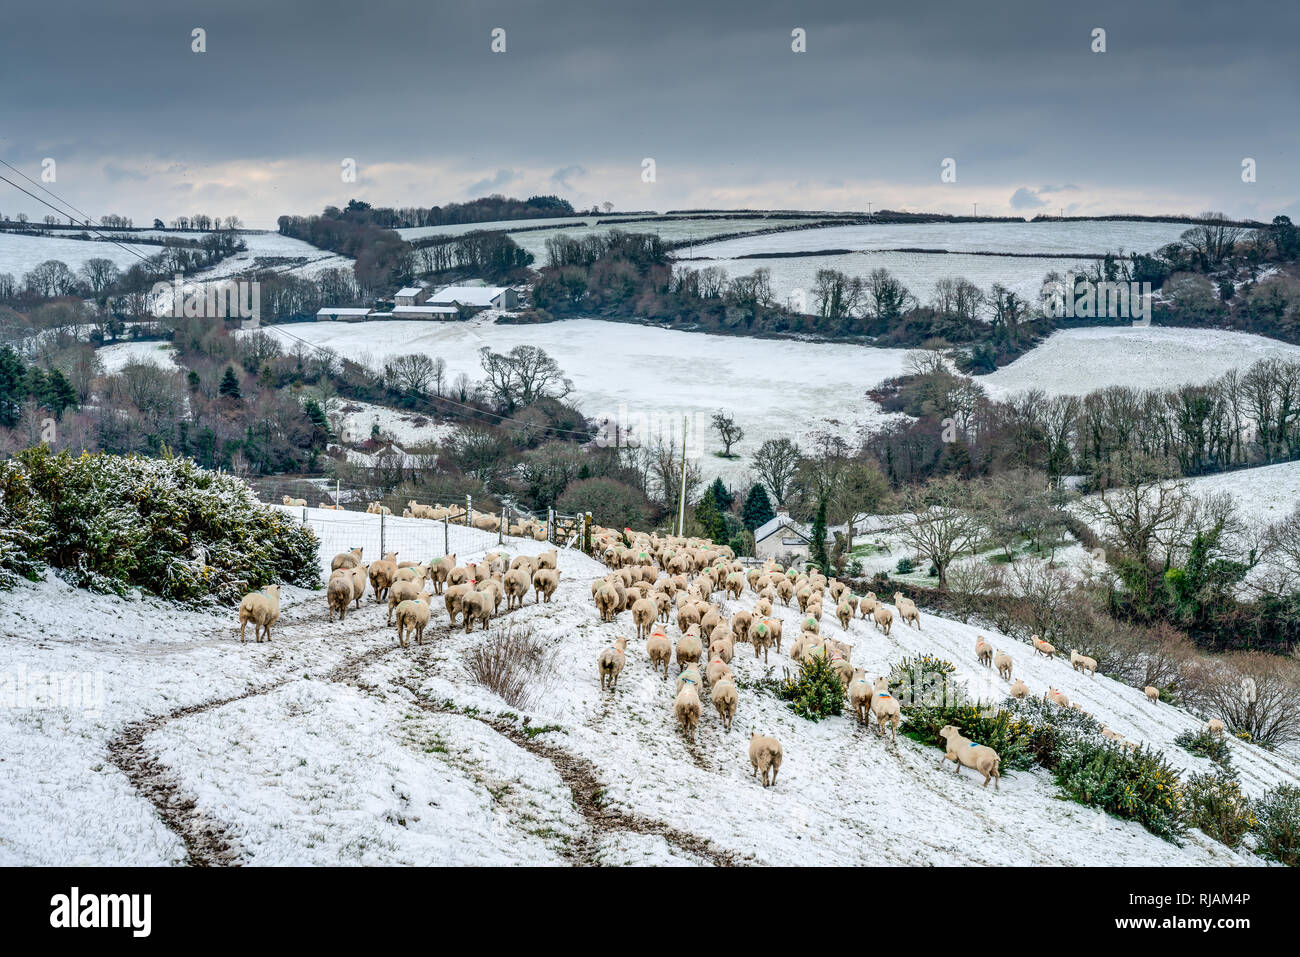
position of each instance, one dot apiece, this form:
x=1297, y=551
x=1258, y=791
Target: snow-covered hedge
x=112, y=523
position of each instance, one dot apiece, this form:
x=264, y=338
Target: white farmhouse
x=475, y=297
x=410, y=296
x=782, y=539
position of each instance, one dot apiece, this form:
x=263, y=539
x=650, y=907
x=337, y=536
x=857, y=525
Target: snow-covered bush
x=816, y=693
x=1277, y=824
x=17, y=559
x=1215, y=804
x=1138, y=784
x=112, y=523
x=1207, y=744
x=996, y=728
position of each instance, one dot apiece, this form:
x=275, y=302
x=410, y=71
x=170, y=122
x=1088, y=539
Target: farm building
x=424, y=312
x=410, y=296
x=782, y=538
x=341, y=314
x=475, y=297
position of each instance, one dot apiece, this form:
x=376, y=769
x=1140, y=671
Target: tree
x=817, y=550
x=938, y=526
x=722, y=495
x=99, y=274
x=757, y=510
x=522, y=377
x=728, y=431
x=412, y=373
x=775, y=463
x=229, y=384
x=712, y=524
x=611, y=503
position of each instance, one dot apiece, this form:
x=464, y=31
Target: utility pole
x=681, y=502
x=975, y=209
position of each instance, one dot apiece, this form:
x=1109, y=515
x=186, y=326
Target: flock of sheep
x=656, y=580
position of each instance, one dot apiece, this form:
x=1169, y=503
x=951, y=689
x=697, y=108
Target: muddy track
x=585, y=784
x=206, y=842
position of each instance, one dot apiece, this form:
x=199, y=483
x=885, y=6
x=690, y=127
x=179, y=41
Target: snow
x=624, y=371
x=1262, y=495
x=20, y=253
x=354, y=417
x=1078, y=361
x=119, y=354
x=313, y=763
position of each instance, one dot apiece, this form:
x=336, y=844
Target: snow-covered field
x=115, y=356
x=1262, y=495
x=21, y=253
x=669, y=230
x=1077, y=361
x=625, y=371
x=331, y=745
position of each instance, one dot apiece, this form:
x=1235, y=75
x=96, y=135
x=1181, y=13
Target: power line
x=46, y=203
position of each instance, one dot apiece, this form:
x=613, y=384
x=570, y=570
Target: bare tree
x=413, y=372
x=728, y=431
x=775, y=463
x=938, y=525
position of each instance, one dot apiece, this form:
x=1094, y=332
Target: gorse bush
x=1045, y=727
x=926, y=680
x=1277, y=824
x=1214, y=803
x=1136, y=784
x=112, y=523
x=816, y=693
x=1205, y=744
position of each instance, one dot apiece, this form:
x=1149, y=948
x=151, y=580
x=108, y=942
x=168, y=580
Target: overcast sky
x=259, y=124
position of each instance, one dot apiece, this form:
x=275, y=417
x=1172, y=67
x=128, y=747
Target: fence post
x=304, y=514
x=383, y=528
x=338, y=489
x=446, y=534
x=550, y=525
x=469, y=509
x=501, y=525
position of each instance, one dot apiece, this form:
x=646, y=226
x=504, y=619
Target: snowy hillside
x=330, y=744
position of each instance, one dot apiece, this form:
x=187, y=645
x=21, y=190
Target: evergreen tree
x=12, y=387
x=229, y=384
x=710, y=518
x=59, y=393
x=317, y=415
x=757, y=511
x=820, y=557
x=721, y=496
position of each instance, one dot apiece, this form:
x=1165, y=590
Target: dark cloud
x=498, y=180
x=883, y=93
x=1026, y=198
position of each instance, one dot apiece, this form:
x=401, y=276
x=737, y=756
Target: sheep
x=845, y=614
x=963, y=751
x=262, y=608
x=610, y=662
x=548, y=559
x=545, y=581
x=1152, y=693
x=907, y=610
x=984, y=652
x=1042, y=647
x=382, y=574
x=360, y=579
x=686, y=707
x=338, y=594
x=1215, y=726
x=689, y=648
x=762, y=636
x=785, y=589
x=346, y=560
x=886, y=709
x=454, y=598
x=644, y=612
x=439, y=569
x=740, y=623
x=1002, y=661
x=378, y=508
x=1056, y=697
x=884, y=619
x=295, y=502
x=421, y=511
x=860, y=692
x=413, y=616
x=660, y=651
x=842, y=667
x=716, y=671
x=517, y=581
x=1112, y=735
x=403, y=591
x=725, y=698
x=765, y=757
x=721, y=644
x=607, y=599
x=1083, y=663
x=763, y=608
x=476, y=606
x=810, y=623
x=410, y=572
x=1019, y=689
x=867, y=605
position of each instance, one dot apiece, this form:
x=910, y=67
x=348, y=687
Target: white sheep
x=262, y=608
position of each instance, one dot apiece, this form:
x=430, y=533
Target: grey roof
x=770, y=528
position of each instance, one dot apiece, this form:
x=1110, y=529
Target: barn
x=782, y=539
